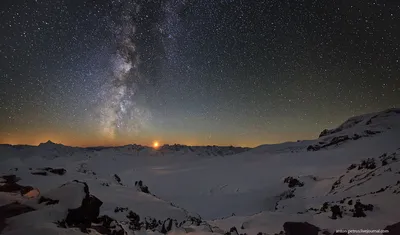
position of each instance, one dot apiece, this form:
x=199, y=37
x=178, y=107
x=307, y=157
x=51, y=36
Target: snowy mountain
x=348, y=178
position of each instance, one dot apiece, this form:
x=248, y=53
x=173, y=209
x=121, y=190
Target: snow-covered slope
x=348, y=178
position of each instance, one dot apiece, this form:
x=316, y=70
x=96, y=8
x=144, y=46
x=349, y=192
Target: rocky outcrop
x=141, y=187
x=117, y=179
x=337, y=140
x=83, y=216
x=45, y=171
x=393, y=229
x=109, y=226
x=293, y=182
x=336, y=212
x=11, y=210
x=367, y=164
x=359, y=209
x=300, y=228
x=47, y=201
x=8, y=183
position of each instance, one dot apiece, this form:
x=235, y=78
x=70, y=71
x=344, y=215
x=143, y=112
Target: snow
x=225, y=186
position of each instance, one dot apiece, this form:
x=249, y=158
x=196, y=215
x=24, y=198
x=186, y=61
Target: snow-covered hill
x=348, y=178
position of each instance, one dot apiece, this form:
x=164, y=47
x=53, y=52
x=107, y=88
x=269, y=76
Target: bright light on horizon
x=155, y=144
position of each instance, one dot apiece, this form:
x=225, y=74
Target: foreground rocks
x=141, y=187
x=82, y=212
x=293, y=182
x=11, y=210
x=300, y=228
x=45, y=171
x=8, y=183
x=393, y=229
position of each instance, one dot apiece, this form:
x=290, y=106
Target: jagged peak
x=50, y=143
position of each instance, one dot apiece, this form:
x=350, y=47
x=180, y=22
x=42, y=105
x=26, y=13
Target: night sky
x=200, y=72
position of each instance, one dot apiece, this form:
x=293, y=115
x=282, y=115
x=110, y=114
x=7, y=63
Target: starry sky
x=197, y=72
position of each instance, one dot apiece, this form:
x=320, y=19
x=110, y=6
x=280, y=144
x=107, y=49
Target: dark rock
x=83, y=216
x=380, y=190
x=10, y=179
x=326, y=232
x=118, y=179
x=167, y=225
x=393, y=229
x=43, y=173
x=350, y=202
x=356, y=136
x=337, y=140
x=134, y=221
x=340, y=233
x=300, y=228
x=11, y=210
x=325, y=206
x=336, y=212
x=351, y=167
x=10, y=185
x=359, y=209
x=141, y=187
x=233, y=231
x=108, y=225
x=48, y=201
x=367, y=164
x=57, y=171
x=313, y=148
x=120, y=209
x=153, y=224
x=337, y=183
x=293, y=182
x=369, y=132
x=324, y=133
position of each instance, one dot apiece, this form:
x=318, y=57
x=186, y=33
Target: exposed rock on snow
x=364, y=120
x=393, y=229
x=87, y=213
x=359, y=209
x=11, y=210
x=120, y=209
x=300, y=228
x=141, y=187
x=109, y=226
x=293, y=182
x=117, y=179
x=336, y=212
x=46, y=170
x=47, y=201
x=8, y=183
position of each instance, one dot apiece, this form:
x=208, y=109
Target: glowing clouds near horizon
x=119, y=113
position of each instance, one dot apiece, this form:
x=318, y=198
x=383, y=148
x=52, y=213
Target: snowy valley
x=348, y=178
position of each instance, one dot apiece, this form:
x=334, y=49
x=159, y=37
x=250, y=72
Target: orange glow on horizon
x=155, y=144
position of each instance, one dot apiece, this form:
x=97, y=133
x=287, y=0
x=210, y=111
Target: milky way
x=118, y=112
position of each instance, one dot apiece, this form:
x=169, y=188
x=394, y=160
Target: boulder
x=11, y=210
x=9, y=185
x=293, y=182
x=300, y=228
x=393, y=229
